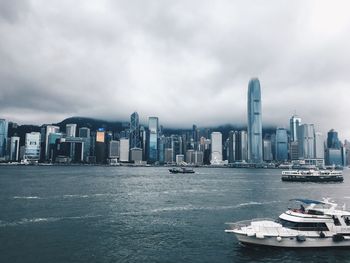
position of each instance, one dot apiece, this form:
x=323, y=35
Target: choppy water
x=121, y=214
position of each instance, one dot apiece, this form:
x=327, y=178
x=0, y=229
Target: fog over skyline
x=183, y=61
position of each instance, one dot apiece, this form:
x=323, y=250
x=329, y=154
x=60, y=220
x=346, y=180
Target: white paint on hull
x=292, y=242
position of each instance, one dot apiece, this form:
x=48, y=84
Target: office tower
x=135, y=141
x=332, y=140
x=84, y=134
x=143, y=139
x=319, y=146
x=232, y=147
x=267, y=150
x=168, y=155
x=295, y=122
x=176, y=144
x=32, y=146
x=100, y=146
x=294, y=150
x=47, y=130
x=136, y=155
x=255, y=154
x=242, y=146
x=189, y=156
x=3, y=137
x=306, y=141
x=114, y=149
x=281, y=144
x=153, y=127
x=14, y=148
x=53, y=145
x=216, y=148
x=71, y=130
x=124, y=150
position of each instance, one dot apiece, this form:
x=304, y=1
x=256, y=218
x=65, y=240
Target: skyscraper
x=153, y=127
x=255, y=153
x=306, y=141
x=71, y=129
x=3, y=137
x=295, y=121
x=332, y=140
x=281, y=144
x=49, y=129
x=84, y=133
x=32, y=146
x=14, y=148
x=135, y=141
x=319, y=146
x=216, y=148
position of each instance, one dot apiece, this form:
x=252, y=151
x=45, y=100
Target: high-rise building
x=3, y=137
x=168, y=155
x=124, y=150
x=32, y=146
x=136, y=155
x=216, y=148
x=232, y=147
x=135, y=141
x=242, y=146
x=306, y=141
x=267, y=150
x=84, y=133
x=71, y=130
x=332, y=140
x=100, y=146
x=14, y=148
x=319, y=146
x=114, y=149
x=47, y=130
x=295, y=122
x=281, y=144
x=153, y=127
x=255, y=153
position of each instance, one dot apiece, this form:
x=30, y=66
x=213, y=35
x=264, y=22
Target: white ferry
x=319, y=224
x=312, y=176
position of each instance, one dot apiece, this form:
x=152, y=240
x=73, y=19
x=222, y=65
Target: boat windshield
x=302, y=226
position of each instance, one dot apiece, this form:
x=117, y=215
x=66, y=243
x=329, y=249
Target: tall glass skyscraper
x=3, y=137
x=153, y=127
x=295, y=121
x=255, y=153
x=135, y=141
x=281, y=144
x=332, y=140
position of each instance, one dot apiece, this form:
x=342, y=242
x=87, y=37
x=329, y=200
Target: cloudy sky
x=184, y=61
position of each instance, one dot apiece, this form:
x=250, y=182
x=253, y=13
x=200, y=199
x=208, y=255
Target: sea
x=145, y=214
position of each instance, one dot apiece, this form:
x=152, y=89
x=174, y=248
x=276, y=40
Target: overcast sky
x=184, y=61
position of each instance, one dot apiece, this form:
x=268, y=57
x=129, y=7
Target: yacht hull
x=292, y=242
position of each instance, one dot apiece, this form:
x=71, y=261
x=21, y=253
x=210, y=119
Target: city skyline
x=168, y=61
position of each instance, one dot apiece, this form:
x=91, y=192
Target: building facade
x=255, y=153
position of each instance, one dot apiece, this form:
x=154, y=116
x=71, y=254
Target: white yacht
x=312, y=176
x=318, y=224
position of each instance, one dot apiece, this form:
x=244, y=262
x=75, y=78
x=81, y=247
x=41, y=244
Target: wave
x=26, y=197
x=25, y=221
x=193, y=208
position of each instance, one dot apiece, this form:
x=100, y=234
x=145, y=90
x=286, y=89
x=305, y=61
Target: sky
x=184, y=61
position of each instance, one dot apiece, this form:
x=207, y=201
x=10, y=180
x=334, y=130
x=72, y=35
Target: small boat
x=312, y=176
x=319, y=224
x=181, y=170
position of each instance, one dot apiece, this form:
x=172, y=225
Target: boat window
x=303, y=226
x=314, y=212
x=336, y=221
x=347, y=220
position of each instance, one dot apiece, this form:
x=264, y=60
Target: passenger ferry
x=312, y=176
x=319, y=224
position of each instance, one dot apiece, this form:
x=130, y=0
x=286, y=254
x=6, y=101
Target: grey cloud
x=184, y=61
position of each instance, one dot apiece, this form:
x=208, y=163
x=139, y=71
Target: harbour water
x=145, y=214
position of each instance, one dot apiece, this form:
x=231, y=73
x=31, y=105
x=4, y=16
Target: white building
x=32, y=146
x=49, y=129
x=306, y=141
x=216, y=148
x=124, y=150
